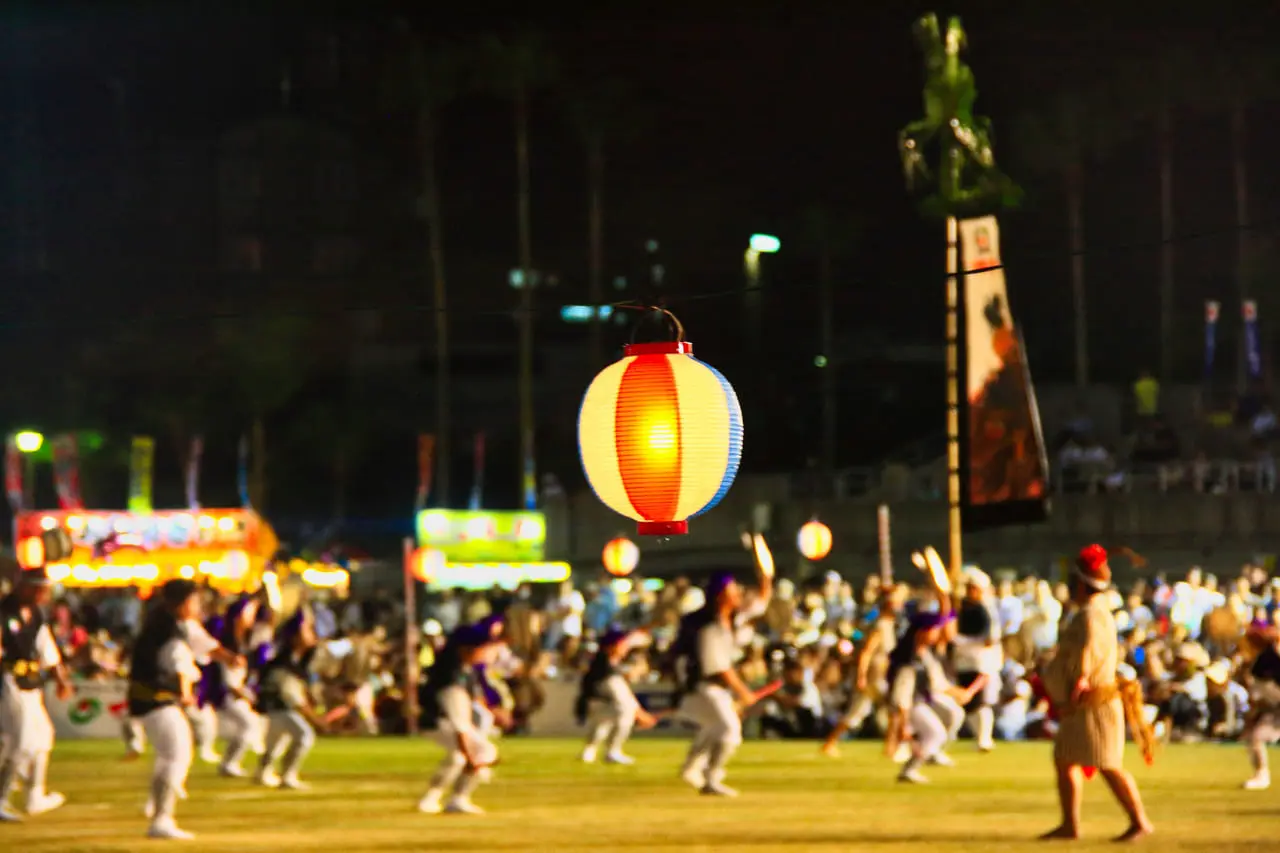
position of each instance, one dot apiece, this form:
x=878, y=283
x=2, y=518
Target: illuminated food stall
x=479, y=549
x=227, y=548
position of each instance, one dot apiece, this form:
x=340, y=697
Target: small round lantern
x=31, y=552
x=425, y=564
x=660, y=435
x=620, y=557
x=814, y=540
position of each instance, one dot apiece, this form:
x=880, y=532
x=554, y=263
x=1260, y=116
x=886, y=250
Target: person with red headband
x=1082, y=683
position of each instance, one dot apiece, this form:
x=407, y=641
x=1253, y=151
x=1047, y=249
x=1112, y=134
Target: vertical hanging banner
x=477, y=483
x=426, y=460
x=530, y=480
x=1004, y=468
x=13, y=470
x=66, y=471
x=1252, y=344
x=192, y=478
x=1211, y=311
x=141, y=463
x=242, y=472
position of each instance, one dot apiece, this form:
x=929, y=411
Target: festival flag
x=477, y=484
x=426, y=458
x=13, y=471
x=66, y=470
x=193, y=473
x=1252, y=345
x=1003, y=465
x=1211, y=311
x=141, y=463
x=242, y=472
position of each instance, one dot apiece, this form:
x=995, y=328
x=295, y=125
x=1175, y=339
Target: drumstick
x=764, y=557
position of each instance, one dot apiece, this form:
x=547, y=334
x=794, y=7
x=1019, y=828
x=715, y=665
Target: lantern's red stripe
x=647, y=433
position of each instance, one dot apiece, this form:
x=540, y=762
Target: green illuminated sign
x=484, y=536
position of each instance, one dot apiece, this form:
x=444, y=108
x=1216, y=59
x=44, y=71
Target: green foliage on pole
x=966, y=181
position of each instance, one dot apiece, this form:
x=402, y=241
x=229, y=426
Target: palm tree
x=603, y=110
x=264, y=356
x=1058, y=139
x=429, y=80
x=826, y=236
x=1151, y=90
x=1230, y=82
x=516, y=67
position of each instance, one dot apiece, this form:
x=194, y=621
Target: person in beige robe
x=1081, y=680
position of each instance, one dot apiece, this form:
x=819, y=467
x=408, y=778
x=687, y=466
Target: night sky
x=751, y=113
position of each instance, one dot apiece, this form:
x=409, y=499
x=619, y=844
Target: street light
x=765, y=244
x=28, y=441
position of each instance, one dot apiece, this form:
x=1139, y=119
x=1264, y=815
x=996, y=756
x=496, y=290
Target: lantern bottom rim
x=662, y=528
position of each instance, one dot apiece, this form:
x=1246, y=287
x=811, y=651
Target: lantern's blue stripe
x=735, y=439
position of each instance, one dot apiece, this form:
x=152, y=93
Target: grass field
x=365, y=792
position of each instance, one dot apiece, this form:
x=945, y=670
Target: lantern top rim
x=659, y=348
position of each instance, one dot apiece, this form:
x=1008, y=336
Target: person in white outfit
x=607, y=704
x=979, y=656
x=448, y=696
x=162, y=677
x=284, y=699
x=27, y=652
x=1263, y=725
x=232, y=694
x=924, y=705
x=707, y=649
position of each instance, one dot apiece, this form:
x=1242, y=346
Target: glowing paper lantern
x=425, y=564
x=31, y=552
x=660, y=435
x=620, y=557
x=814, y=540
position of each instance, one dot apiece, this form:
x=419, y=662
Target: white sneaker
x=695, y=777
x=1261, y=782
x=942, y=760
x=915, y=777
x=902, y=754
x=293, y=783
x=268, y=778
x=619, y=758
x=210, y=757
x=460, y=805
x=8, y=815
x=234, y=771
x=986, y=747
x=718, y=789
x=47, y=803
x=168, y=831
x=588, y=755
x=430, y=803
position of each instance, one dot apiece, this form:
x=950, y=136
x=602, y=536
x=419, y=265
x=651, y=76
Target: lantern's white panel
x=596, y=441
x=704, y=433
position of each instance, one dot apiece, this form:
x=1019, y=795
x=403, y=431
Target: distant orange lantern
x=31, y=552
x=814, y=540
x=620, y=557
x=660, y=434
x=426, y=564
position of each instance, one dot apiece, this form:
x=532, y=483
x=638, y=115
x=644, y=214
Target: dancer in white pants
x=162, y=677
x=1263, y=726
x=708, y=647
x=606, y=702
x=231, y=691
x=283, y=698
x=978, y=656
x=27, y=652
x=925, y=706
x=450, y=694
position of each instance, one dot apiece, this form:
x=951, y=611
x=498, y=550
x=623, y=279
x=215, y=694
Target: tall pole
x=435, y=247
x=828, y=369
x=953, y=398
x=410, y=641
x=1240, y=176
x=528, y=473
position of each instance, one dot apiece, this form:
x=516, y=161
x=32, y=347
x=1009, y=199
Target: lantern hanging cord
x=656, y=312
